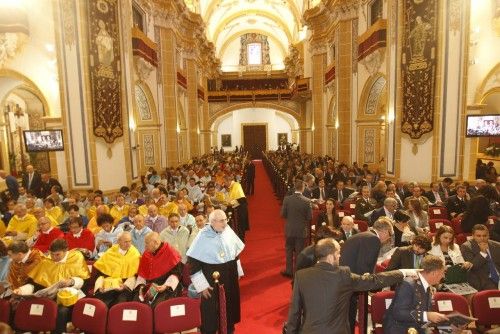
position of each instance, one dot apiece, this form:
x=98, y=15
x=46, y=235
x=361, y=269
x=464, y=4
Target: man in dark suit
x=412, y=304
x=297, y=211
x=390, y=206
x=360, y=253
x=435, y=196
x=340, y=193
x=321, y=193
x=444, y=187
x=32, y=180
x=250, y=177
x=347, y=228
x=364, y=204
x=321, y=293
x=457, y=204
x=367, y=181
x=410, y=257
x=47, y=184
x=309, y=185
x=484, y=254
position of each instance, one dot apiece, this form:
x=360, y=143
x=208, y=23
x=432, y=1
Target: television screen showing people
x=39, y=141
x=483, y=125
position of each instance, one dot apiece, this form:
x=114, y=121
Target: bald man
x=159, y=272
x=116, y=269
x=32, y=180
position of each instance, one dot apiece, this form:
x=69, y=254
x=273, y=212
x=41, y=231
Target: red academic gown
x=86, y=240
x=45, y=239
x=156, y=267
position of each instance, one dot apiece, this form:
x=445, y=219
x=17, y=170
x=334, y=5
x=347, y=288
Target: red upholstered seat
x=177, y=315
x=442, y=302
x=437, y=212
x=90, y=315
x=36, y=314
x=485, y=307
x=130, y=318
x=435, y=224
x=4, y=311
x=380, y=303
x=361, y=225
x=456, y=225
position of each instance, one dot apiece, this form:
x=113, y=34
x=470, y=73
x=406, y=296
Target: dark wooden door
x=254, y=140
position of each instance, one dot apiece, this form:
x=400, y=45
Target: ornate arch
x=29, y=85
x=145, y=104
x=271, y=36
x=259, y=105
x=372, y=95
x=489, y=85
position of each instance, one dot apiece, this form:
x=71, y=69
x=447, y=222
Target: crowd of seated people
x=456, y=221
x=129, y=240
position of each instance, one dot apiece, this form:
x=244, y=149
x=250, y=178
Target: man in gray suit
x=297, y=211
x=484, y=254
x=321, y=294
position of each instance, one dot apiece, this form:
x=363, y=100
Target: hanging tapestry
x=105, y=74
x=418, y=62
x=251, y=38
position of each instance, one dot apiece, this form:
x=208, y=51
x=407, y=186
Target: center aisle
x=265, y=294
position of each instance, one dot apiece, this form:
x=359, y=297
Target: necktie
x=347, y=235
x=322, y=193
x=340, y=195
x=30, y=178
x=493, y=271
x=417, y=261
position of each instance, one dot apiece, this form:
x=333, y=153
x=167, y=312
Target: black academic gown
x=209, y=307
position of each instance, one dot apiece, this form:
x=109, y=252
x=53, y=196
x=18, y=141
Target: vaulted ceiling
x=227, y=20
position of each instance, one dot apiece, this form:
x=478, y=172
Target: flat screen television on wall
x=43, y=140
x=483, y=126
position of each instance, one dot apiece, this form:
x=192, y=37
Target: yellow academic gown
x=56, y=214
x=48, y=272
x=118, y=213
x=27, y=224
x=113, y=264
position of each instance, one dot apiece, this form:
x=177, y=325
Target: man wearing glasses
x=216, y=248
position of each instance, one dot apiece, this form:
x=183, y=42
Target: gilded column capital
x=318, y=47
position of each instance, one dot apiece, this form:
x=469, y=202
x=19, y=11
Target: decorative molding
x=141, y=100
x=355, y=45
x=149, y=149
x=455, y=15
x=373, y=61
x=369, y=146
x=68, y=22
x=143, y=68
x=293, y=63
x=14, y=32
x=374, y=96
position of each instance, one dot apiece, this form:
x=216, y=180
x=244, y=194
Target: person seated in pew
x=410, y=257
x=64, y=272
x=306, y=257
x=108, y=235
x=119, y=210
x=46, y=233
x=445, y=248
x=80, y=238
x=403, y=232
x=347, y=229
x=21, y=226
x=159, y=272
x=327, y=216
x=116, y=270
x=23, y=260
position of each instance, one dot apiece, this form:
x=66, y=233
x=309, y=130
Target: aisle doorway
x=254, y=139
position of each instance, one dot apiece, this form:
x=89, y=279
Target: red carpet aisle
x=265, y=294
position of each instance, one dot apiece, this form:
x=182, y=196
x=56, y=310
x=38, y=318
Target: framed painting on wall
x=226, y=140
x=282, y=138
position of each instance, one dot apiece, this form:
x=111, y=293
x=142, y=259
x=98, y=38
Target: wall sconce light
x=390, y=116
x=135, y=147
x=198, y=131
x=131, y=124
x=313, y=128
x=337, y=123
x=178, y=128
